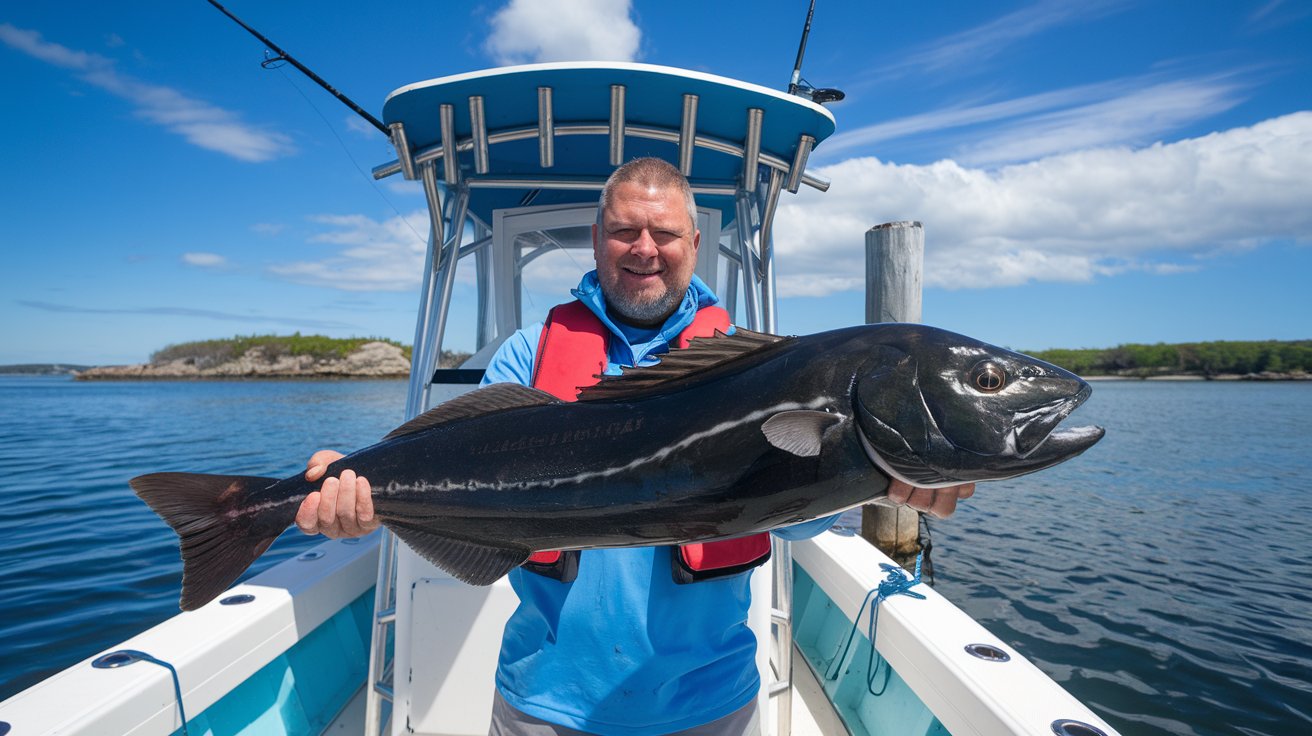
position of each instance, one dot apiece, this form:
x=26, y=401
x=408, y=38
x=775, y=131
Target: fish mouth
x=1065, y=443
x=1034, y=426
x=1039, y=440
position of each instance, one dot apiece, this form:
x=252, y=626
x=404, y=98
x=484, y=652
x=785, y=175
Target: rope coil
x=896, y=582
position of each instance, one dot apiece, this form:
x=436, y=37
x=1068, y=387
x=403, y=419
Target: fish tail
x=217, y=543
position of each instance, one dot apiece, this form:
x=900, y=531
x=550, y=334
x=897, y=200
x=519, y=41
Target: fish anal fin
x=702, y=355
x=486, y=400
x=468, y=562
x=800, y=431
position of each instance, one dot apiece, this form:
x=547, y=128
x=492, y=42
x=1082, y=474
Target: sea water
x=1163, y=577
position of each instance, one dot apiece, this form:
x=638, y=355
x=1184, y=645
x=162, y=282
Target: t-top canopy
x=552, y=133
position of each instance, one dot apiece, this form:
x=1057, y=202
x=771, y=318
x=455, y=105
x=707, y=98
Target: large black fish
x=730, y=436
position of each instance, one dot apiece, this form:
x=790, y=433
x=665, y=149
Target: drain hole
x=989, y=653
x=1067, y=727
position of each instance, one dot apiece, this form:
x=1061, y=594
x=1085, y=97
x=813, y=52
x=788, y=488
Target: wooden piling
x=895, y=257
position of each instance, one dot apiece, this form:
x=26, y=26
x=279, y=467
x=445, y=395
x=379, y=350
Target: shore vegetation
x=206, y=353
x=1206, y=359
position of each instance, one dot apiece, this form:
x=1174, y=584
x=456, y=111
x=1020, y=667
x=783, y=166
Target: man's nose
x=644, y=245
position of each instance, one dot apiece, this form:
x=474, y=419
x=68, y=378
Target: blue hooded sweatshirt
x=623, y=649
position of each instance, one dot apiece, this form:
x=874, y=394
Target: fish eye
x=988, y=377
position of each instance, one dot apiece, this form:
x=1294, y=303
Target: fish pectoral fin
x=468, y=562
x=487, y=400
x=800, y=432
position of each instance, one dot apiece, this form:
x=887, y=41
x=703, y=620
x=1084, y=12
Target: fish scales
x=623, y=473
x=732, y=436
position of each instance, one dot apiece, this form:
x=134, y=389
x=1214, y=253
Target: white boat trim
x=618, y=65
x=925, y=642
x=214, y=649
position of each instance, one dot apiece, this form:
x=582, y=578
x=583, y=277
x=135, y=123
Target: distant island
x=1270, y=360
x=272, y=356
x=40, y=369
x=310, y=356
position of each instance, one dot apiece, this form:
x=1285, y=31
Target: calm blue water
x=1163, y=577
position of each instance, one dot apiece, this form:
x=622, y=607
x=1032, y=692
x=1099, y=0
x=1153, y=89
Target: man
x=618, y=642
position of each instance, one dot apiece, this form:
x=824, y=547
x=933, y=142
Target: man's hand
x=937, y=502
x=342, y=507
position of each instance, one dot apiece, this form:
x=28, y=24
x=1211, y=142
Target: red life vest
x=572, y=355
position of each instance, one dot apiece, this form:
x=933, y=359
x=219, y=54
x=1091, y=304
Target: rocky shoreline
x=370, y=360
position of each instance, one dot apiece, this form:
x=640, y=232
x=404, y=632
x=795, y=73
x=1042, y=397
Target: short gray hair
x=652, y=172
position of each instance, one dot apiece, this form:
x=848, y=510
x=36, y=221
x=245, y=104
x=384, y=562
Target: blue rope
x=177, y=686
x=895, y=582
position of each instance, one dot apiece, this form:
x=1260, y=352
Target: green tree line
x=1199, y=358
x=206, y=353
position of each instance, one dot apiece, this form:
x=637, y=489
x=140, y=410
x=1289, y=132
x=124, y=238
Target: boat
x=364, y=636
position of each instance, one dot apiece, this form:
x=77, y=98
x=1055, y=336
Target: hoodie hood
x=698, y=295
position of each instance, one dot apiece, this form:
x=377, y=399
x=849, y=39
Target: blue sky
x=1088, y=173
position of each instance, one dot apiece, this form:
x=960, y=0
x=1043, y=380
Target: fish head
x=936, y=408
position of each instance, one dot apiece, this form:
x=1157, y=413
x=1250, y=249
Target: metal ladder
x=380, y=666
x=781, y=615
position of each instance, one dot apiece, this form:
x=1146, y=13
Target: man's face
x=646, y=249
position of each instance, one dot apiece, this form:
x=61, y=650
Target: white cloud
x=375, y=256
x=199, y=122
x=1275, y=14
x=204, y=260
x=967, y=49
x=401, y=185
x=357, y=124
x=563, y=30
x=1127, y=111
x=268, y=228
x=1065, y=218
x=1136, y=117
x=388, y=255
x=1068, y=217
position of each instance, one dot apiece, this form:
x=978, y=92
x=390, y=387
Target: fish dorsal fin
x=703, y=354
x=486, y=400
x=800, y=432
x=468, y=562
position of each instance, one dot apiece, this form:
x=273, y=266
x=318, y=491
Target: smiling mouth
x=636, y=272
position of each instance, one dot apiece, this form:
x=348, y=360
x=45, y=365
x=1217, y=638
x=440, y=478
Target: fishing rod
x=284, y=56
x=797, y=85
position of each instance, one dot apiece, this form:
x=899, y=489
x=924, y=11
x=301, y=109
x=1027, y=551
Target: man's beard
x=645, y=313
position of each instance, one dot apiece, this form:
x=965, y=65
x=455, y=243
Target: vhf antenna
x=797, y=85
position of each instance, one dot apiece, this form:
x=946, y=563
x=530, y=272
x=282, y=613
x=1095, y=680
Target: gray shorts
x=507, y=721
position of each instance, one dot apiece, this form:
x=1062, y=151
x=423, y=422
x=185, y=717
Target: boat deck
x=812, y=713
